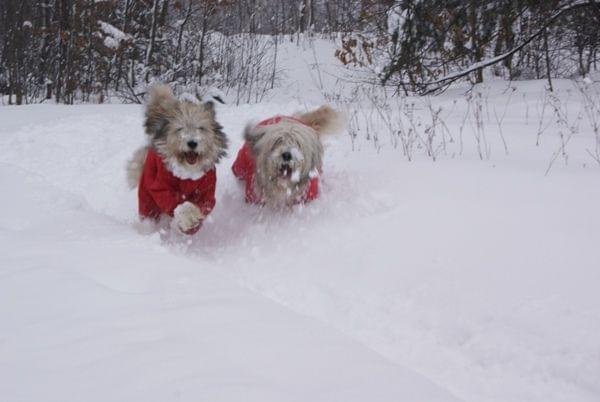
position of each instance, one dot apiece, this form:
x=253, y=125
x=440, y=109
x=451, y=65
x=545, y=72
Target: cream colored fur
x=171, y=125
x=135, y=167
x=281, y=182
x=324, y=120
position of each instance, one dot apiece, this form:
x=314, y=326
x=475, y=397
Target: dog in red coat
x=175, y=173
x=281, y=160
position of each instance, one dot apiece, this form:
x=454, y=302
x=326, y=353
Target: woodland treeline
x=431, y=41
x=86, y=50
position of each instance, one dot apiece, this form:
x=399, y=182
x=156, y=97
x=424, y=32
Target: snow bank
x=481, y=276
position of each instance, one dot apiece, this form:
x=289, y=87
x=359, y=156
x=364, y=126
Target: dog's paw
x=188, y=217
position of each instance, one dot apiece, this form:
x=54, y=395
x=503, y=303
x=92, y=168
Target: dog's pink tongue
x=191, y=157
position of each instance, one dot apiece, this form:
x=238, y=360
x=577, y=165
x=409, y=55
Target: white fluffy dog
x=175, y=173
x=283, y=156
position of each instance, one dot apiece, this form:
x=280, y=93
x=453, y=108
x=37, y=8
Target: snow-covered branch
x=440, y=83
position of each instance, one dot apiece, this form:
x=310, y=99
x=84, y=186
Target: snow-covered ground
x=93, y=309
x=459, y=279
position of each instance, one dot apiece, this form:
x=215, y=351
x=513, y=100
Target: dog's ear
x=253, y=134
x=324, y=120
x=210, y=108
x=161, y=107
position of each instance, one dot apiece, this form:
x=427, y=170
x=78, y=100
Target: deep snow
x=94, y=308
x=414, y=281
x=92, y=311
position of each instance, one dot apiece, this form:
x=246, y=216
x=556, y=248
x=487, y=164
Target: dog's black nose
x=192, y=144
x=286, y=156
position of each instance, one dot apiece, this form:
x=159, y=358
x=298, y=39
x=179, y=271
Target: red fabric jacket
x=244, y=168
x=160, y=191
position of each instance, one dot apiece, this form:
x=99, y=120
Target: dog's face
x=288, y=154
x=186, y=135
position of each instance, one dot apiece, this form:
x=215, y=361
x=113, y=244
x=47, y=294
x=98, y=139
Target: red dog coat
x=160, y=192
x=244, y=167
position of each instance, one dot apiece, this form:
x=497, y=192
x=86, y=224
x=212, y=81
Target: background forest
x=72, y=51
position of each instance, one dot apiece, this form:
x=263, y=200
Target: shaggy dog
x=282, y=157
x=175, y=173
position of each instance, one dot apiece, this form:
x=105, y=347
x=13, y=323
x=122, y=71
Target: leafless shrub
x=434, y=127
x=545, y=102
x=475, y=99
x=591, y=106
x=247, y=66
x=500, y=119
x=565, y=129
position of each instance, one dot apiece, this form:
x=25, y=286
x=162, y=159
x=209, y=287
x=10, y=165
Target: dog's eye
x=201, y=128
x=178, y=129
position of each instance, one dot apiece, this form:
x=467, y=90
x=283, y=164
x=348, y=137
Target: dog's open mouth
x=288, y=175
x=190, y=157
x=285, y=171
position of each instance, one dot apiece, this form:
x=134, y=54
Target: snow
x=114, y=36
x=145, y=324
x=113, y=31
x=95, y=308
x=460, y=279
x=111, y=43
x=396, y=18
x=295, y=178
x=308, y=71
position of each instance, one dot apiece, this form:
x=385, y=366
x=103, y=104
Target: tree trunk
x=180, y=33
x=122, y=54
x=150, y=48
x=476, y=46
x=200, y=71
x=547, y=59
x=305, y=11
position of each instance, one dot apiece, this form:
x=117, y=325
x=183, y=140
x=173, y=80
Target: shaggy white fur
x=185, y=134
x=289, y=153
x=135, y=167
